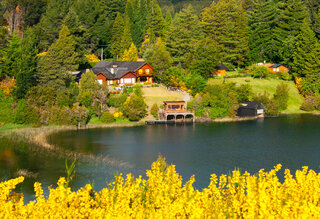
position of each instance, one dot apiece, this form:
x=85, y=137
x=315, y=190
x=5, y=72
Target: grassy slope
x=158, y=95
x=269, y=85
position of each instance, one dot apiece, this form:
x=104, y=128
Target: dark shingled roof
x=221, y=67
x=252, y=105
x=276, y=65
x=181, y=101
x=119, y=68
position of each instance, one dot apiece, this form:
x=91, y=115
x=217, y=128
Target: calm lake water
x=199, y=149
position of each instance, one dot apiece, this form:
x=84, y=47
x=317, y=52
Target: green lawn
x=269, y=85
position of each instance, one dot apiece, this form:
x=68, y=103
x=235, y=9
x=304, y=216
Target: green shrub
x=282, y=96
x=6, y=108
x=63, y=99
x=135, y=108
x=116, y=100
x=107, y=117
x=260, y=71
x=154, y=110
x=66, y=116
x=32, y=116
x=285, y=76
x=272, y=108
x=20, y=114
x=311, y=103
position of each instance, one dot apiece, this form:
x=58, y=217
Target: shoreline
x=39, y=135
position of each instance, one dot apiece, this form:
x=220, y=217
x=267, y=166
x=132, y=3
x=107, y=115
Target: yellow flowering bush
x=92, y=58
x=41, y=54
x=163, y=195
x=117, y=114
x=7, y=86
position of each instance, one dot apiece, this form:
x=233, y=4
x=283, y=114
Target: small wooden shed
x=251, y=109
x=278, y=68
x=221, y=70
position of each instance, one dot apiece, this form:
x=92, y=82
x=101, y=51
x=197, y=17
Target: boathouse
x=176, y=111
x=251, y=109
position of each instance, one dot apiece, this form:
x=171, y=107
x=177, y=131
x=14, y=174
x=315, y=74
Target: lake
x=199, y=149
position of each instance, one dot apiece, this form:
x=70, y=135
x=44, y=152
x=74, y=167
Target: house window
x=121, y=80
x=111, y=82
x=100, y=81
x=127, y=81
x=140, y=71
x=147, y=71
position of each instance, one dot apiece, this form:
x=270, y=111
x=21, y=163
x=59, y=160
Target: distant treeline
x=237, y=33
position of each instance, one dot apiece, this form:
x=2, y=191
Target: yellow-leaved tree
x=131, y=54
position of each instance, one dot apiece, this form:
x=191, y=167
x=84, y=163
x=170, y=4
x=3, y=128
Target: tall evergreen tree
x=306, y=56
x=155, y=21
x=206, y=57
x=291, y=15
x=26, y=75
x=313, y=7
x=116, y=48
x=262, y=22
x=12, y=56
x=222, y=21
x=52, y=20
x=126, y=36
x=159, y=58
x=183, y=35
x=54, y=68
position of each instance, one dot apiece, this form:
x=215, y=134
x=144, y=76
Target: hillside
x=269, y=85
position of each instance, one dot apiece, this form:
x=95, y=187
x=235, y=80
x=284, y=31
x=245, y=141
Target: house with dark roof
x=275, y=68
x=123, y=72
x=221, y=70
x=251, y=109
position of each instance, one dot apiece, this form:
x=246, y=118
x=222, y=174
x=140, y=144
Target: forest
x=42, y=41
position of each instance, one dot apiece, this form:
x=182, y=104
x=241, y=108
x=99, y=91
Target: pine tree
x=291, y=15
x=262, y=21
x=306, y=56
x=52, y=20
x=313, y=7
x=116, y=48
x=12, y=56
x=206, y=58
x=155, y=21
x=168, y=19
x=225, y=22
x=183, y=35
x=159, y=58
x=131, y=54
x=126, y=36
x=26, y=76
x=54, y=67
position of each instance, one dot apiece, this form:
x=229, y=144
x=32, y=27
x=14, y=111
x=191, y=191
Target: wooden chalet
x=276, y=68
x=221, y=70
x=176, y=111
x=123, y=72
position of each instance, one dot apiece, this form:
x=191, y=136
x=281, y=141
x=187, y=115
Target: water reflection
x=200, y=149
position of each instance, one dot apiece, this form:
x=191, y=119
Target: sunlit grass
x=270, y=86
